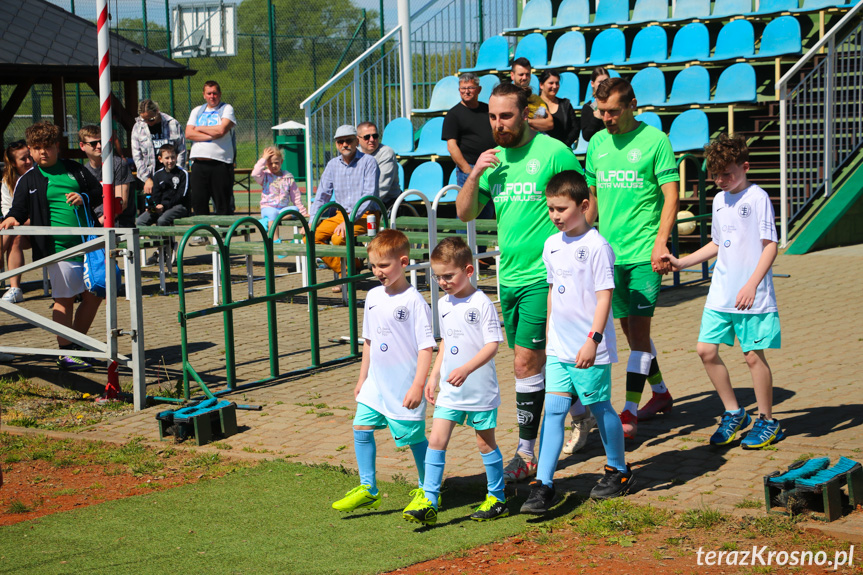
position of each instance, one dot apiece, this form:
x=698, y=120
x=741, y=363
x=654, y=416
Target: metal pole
x=146, y=90
x=255, y=94
x=480, y=16
x=783, y=167
x=828, y=117
x=383, y=30
x=407, y=75
x=105, y=111
x=168, y=38
x=77, y=90
x=136, y=318
x=271, y=11
x=462, y=12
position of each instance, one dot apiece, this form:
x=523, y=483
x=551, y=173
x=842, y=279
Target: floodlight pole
x=407, y=72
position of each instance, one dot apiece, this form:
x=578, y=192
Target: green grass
x=615, y=516
x=273, y=518
x=703, y=518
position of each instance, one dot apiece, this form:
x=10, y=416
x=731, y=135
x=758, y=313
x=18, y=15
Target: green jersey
x=60, y=183
x=517, y=188
x=628, y=171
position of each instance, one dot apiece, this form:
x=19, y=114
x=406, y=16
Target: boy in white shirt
x=741, y=300
x=580, y=344
x=469, y=393
x=397, y=354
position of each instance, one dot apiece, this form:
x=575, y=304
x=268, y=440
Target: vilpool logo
x=384, y=347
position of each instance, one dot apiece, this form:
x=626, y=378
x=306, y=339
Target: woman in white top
x=16, y=161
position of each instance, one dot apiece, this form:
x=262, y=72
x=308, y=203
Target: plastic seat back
x=488, y=82
x=687, y=9
x=692, y=42
x=536, y=15
x=611, y=12
x=726, y=8
x=691, y=86
x=569, y=50
x=781, y=36
x=427, y=178
x=609, y=47
x=813, y=5
x=569, y=88
x=689, y=131
x=444, y=95
x=572, y=13
x=736, y=84
x=649, y=11
x=736, y=40
x=651, y=119
x=534, y=48
x=430, y=142
x=649, y=45
x=649, y=87
x=493, y=55
x=776, y=6
x=399, y=135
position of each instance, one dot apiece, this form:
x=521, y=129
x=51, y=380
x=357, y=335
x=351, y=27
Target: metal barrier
x=108, y=240
x=228, y=306
x=705, y=215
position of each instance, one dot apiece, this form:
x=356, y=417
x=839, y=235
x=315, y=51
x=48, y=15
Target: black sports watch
x=595, y=336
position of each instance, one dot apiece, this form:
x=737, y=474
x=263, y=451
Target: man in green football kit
x=631, y=168
x=513, y=176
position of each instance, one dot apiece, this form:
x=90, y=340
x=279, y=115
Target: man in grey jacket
x=370, y=143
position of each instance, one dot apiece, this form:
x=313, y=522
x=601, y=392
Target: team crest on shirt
x=176, y=181
x=634, y=155
x=71, y=176
x=384, y=347
x=401, y=313
x=744, y=211
x=532, y=167
x=453, y=350
x=582, y=253
x=471, y=316
x=561, y=289
x=727, y=243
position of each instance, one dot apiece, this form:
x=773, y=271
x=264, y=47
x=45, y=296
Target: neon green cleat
x=490, y=509
x=420, y=509
x=359, y=497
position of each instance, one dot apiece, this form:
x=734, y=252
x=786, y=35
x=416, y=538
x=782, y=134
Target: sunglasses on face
x=150, y=119
x=93, y=143
x=344, y=142
x=17, y=145
x=367, y=137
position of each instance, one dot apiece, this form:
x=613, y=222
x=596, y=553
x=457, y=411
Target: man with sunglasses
x=89, y=140
x=347, y=178
x=152, y=130
x=370, y=144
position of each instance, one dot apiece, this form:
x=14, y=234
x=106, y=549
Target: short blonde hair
x=274, y=151
x=452, y=250
x=390, y=242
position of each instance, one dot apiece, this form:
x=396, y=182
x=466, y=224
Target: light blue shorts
x=404, y=432
x=479, y=420
x=592, y=385
x=753, y=330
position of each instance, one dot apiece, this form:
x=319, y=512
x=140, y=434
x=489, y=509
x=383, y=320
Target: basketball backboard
x=203, y=29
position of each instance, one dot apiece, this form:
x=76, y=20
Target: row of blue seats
x=691, y=43
x=571, y=14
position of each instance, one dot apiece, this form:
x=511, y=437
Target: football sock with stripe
x=637, y=369
x=654, y=376
x=556, y=408
x=366, y=450
x=529, y=396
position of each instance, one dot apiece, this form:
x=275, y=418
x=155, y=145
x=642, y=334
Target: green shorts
x=524, y=310
x=404, y=432
x=636, y=288
x=592, y=385
x=753, y=330
x=479, y=420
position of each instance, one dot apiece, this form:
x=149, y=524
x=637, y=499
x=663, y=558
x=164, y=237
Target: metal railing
x=820, y=118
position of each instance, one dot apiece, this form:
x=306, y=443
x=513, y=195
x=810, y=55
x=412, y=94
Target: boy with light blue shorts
x=741, y=300
x=581, y=345
x=397, y=354
x=469, y=392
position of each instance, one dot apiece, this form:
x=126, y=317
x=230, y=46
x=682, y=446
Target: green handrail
x=703, y=215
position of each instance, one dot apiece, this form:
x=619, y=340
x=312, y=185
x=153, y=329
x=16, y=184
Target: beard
x=508, y=138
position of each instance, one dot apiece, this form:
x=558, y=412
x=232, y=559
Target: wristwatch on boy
x=595, y=336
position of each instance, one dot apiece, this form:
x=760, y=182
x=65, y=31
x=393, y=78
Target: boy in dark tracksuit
x=170, y=184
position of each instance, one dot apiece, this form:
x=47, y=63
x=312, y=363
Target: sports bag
x=95, y=262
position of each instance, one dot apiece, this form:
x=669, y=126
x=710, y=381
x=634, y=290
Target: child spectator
x=280, y=192
x=57, y=192
x=168, y=191
x=581, y=344
x=469, y=393
x=741, y=300
x=17, y=162
x=397, y=354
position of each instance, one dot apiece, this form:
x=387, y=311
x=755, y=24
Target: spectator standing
x=537, y=113
x=151, y=131
x=466, y=128
x=17, y=162
x=591, y=118
x=566, y=124
x=90, y=143
x=388, y=181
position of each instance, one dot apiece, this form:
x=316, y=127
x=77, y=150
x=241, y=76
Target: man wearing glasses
x=151, y=131
x=466, y=128
x=89, y=140
x=370, y=144
x=347, y=178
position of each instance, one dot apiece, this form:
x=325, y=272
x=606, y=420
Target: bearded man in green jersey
x=631, y=169
x=513, y=176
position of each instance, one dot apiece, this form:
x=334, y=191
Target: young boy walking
x=581, y=344
x=741, y=300
x=397, y=355
x=469, y=393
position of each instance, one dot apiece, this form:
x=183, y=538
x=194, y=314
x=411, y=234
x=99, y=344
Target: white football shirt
x=740, y=222
x=398, y=327
x=577, y=268
x=468, y=324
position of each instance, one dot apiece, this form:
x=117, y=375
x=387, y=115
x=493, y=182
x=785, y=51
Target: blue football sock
x=434, y=463
x=419, y=451
x=493, y=461
x=366, y=450
x=611, y=432
x=551, y=442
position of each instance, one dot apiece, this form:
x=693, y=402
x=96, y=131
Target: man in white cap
x=347, y=178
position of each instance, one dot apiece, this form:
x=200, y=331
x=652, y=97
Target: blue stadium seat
x=649, y=87
x=430, y=142
x=534, y=48
x=766, y=7
x=426, y=178
x=736, y=84
x=444, y=96
x=611, y=12
x=649, y=45
x=401, y=177
x=453, y=179
x=692, y=42
x=569, y=50
x=580, y=146
x=649, y=11
x=736, y=40
x=488, y=82
x=570, y=88
x=493, y=55
x=691, y=86
x=609, y=47
x=651, y=119
x=815, y=5
x=781, y=36
x=727, y=8
x=588, y=90
x=690, y=10
x=399, y=135
x=536, y=15
x=572, y=13
x=689, y=131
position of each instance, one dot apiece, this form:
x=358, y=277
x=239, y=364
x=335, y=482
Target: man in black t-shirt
x=466, y=128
